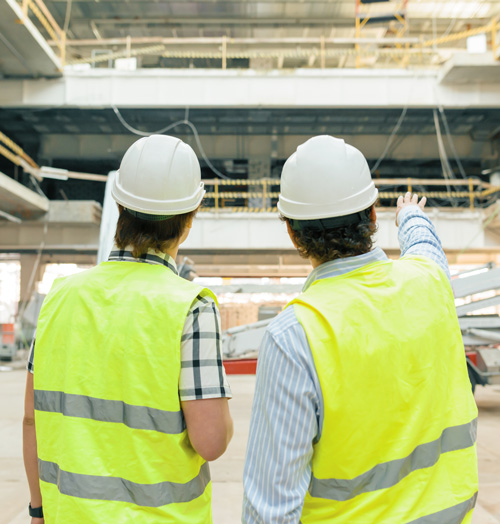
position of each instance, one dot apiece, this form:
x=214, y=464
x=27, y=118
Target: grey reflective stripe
x=453, y=515
x=388, y=474
x=137, y=417
x=119, y=489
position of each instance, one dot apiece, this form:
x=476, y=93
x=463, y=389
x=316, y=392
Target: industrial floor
x=226, y=472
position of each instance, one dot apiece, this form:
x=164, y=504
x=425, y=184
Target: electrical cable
x=68, y=15
x=445, y=165
x=185, y=122
x=450, y=142
x=396, y=127
x=448, y=135
x=391, y=138
x=35, y=183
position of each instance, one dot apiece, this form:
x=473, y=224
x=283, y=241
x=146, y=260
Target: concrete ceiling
x=19, y=123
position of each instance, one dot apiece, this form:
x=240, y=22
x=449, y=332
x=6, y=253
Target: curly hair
x=141, y=235
x=339, y=242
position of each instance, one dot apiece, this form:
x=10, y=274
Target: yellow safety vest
x=398, y=438
x=112, y=443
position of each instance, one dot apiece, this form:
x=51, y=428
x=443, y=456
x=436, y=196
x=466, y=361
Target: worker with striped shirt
x=126, y=386
x=363, y=411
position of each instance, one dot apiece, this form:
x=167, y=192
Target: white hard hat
x=325, y=178
x=159, y=176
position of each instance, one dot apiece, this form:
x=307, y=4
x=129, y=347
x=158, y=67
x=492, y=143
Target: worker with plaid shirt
x=125, y=382
x=202, y=372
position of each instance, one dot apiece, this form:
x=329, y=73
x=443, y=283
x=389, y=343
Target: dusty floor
x=227, y=472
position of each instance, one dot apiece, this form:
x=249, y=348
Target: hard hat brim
x=305, y=211
x=157, y=207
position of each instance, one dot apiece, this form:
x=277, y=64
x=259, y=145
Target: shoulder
x=205, y=300
x=421, y=265
x=286, y=335
x=285, y=321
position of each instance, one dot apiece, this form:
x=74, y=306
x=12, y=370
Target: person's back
x=119, y=369
x=362, y=392
x=129, y=393
x=389, y=357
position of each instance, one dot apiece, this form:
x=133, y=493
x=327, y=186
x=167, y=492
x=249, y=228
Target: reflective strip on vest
x=82, y=406
x=119, y=489
x=454, y=514
x=390, y=473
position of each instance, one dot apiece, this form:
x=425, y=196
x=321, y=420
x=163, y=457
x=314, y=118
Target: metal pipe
x=484, y=333
x=235, y=41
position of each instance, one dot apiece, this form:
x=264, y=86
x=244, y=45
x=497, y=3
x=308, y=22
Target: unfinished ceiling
x=260, y=34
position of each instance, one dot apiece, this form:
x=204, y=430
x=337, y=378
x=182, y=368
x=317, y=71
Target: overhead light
x=53, y=172
x=477, y=44
x=126, y=64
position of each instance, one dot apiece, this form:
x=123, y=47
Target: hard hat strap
x=322, y=224
x=145, y=216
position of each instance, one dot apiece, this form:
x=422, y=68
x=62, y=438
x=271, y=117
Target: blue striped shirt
x=287, y=412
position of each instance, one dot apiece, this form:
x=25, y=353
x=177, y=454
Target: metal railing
x=44, y=16
x=261, y=195
x=315, y=51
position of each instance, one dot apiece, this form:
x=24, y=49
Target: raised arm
x=417, y=235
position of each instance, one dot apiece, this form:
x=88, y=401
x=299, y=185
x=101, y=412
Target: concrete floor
x=227, y=472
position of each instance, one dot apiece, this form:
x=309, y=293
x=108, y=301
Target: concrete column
x=258, y=168
x=31, y=274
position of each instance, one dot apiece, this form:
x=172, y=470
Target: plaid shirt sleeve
x=29, y=365
x=202, y=372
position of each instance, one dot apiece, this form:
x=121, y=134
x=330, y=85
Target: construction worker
x=129, y=395
x=363, y=412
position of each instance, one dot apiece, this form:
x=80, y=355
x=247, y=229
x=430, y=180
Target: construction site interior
x=413, y=84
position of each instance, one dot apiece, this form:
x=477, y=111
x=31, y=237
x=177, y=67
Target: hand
x=36, y=520
x=409, y=200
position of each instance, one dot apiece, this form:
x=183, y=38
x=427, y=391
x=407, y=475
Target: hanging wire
x=450, y=142
x=68, y=16
x=448, y=135
x=445, y=165
x=391, y=138
x=396, y=127
x=185, y=122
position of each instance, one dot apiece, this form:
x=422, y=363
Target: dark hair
x=337, y=242
x=142, y=235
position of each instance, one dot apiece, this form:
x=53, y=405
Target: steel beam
x=474, y=284
x=68, y=227
x=411, y=147
x=478, y=305
x=332, y=88
x=246, y=244
x=18, y=200
x=457, y=228
x=28, y=53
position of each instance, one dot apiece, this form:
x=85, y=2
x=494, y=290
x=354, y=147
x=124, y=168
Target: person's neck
x=172, y=251
x=315, y=262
